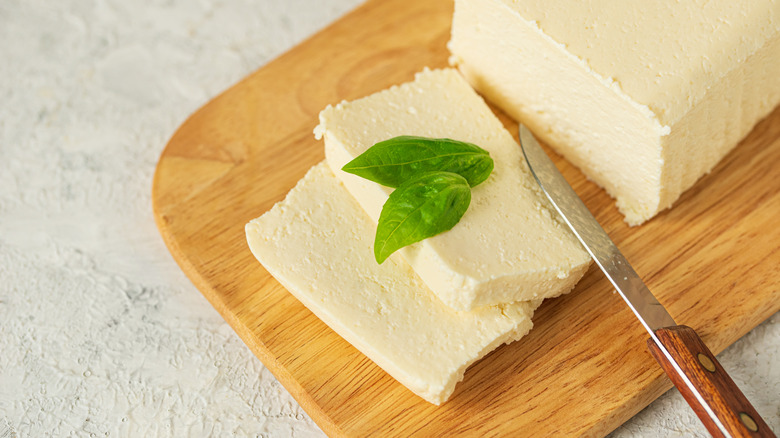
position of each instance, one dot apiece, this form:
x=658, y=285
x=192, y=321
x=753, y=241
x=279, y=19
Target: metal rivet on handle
x=748, y=421
x=706, y=362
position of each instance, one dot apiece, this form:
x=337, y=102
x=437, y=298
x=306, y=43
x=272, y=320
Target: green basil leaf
x=394, y=161
x=422, y=207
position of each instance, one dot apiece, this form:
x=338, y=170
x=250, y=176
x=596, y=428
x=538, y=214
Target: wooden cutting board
x=583, y=370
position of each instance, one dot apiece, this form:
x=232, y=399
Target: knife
x=690, y=365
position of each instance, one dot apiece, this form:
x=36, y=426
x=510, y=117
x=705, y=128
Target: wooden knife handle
x=706, y=374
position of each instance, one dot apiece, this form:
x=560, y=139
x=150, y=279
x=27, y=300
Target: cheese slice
x=644, y=97
x=317, y=243
x=509, y=246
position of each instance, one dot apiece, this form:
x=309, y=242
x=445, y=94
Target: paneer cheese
x=317, y=243
x=509, y=246
x=644, y=97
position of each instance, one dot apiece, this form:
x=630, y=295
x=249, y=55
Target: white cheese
x=509, y=246
x=317, y=243
x=645, y=97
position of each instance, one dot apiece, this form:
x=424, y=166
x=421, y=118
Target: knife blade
x=691, y=366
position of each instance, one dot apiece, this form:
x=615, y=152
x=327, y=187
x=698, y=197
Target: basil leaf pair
x=433, y=180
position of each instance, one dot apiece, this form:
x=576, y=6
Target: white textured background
x=100, y=333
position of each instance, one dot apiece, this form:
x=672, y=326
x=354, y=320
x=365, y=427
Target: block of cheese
x=509, y=246
x=645, y=97
x=317, y=244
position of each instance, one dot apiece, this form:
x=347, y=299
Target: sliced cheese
x=645, y=97
x=317, y=243
x=509, y=246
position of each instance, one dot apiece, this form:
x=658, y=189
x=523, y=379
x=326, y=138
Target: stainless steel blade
x=595, y=240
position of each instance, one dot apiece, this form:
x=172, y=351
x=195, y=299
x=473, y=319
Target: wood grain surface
x=583, y=370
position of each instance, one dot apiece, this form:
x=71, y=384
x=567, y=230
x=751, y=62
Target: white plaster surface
x=100, y=333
